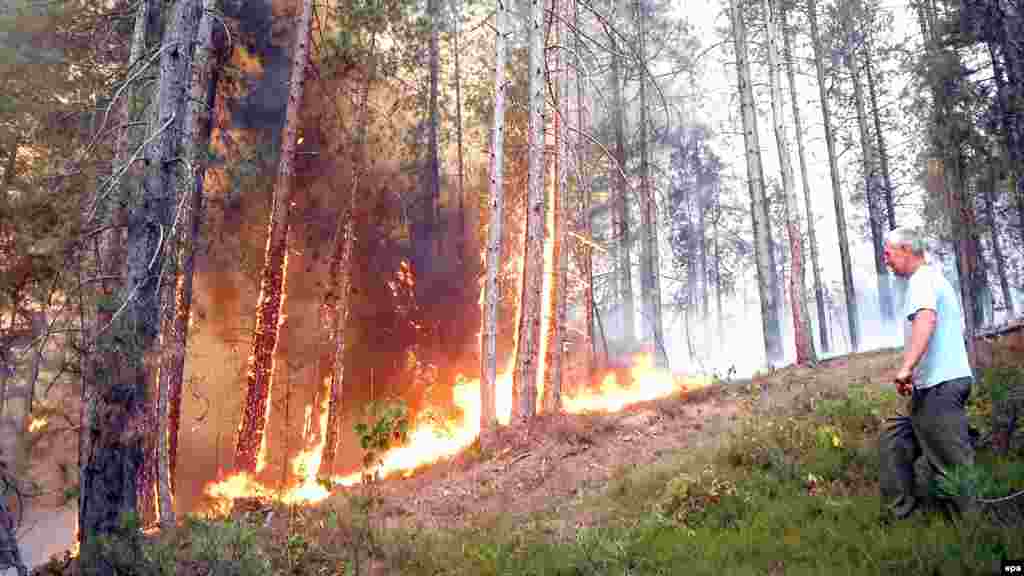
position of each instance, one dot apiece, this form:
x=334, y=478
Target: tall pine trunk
x=524, y=384
x=852, y=314
x=812, y=238
x=872, y=190
x=488, y=343
x=883, y=154
x=251, y=440
x=583, y=187
x=621, y=204
x=997, y=248
x=763, y=255
x=805, y=353
x=195, y=145
x=337, y=300
x=650, y=278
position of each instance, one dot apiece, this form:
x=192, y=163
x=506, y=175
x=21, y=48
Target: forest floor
x=736, y=469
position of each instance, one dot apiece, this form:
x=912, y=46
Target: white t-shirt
x=946, y=356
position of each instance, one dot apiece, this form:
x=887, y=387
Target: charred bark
x=259, y=378
x=337, y=300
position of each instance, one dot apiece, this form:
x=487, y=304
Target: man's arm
x=921, y=330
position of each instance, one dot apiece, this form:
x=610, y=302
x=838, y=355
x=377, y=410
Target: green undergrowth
x=794, y=490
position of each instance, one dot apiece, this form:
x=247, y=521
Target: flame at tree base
x=430, y=441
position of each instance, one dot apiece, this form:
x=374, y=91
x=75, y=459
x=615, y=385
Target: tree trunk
x=872, y=191
x=524, y=386
x=583, y=186
x=461, y=233
x=621, y=206
x=650, y=270
x=433, y=162
x=559, y=256
x=251, y=441
x=883, y=155
x=852, y=315
x=805, y=353
x=122, y=378
x=338, y=297
x=997, y=249
x=763, y=255
x=195, y=144
x=812, y=239
x=110, y=258
x=488, y=353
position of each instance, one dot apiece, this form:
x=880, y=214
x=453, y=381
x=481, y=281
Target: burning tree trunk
x=256, y=410
x=195, y=144
x=120, y=377
x=336, y=301
x=488, y=343
x=872, y=190
x=805, y=353
x=763, y=255
x=819, y=295
x=524, y=386
x=852, y=316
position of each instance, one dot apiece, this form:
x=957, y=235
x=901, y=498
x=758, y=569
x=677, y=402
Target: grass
x=792, y=490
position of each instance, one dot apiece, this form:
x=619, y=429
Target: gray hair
x=908, y=238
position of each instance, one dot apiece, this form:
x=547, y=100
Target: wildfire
x=430, y=441
x=36, y=424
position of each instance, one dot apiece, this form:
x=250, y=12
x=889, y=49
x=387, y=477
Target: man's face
x=898, y=258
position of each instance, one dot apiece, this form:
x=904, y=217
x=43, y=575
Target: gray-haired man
x=935, y=373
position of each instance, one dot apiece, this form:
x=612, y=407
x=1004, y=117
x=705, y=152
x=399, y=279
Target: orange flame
x=430, y=442
x=36, y=424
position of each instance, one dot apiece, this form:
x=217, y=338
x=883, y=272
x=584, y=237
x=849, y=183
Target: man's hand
x=904, y=382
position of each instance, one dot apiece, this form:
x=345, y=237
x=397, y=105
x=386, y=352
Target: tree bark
x=650, y=277
x=852, y=315
x=251, y=439
x=338, y=298
x=812, y=239
x=583, y=186
x=872, y=190
x=621, y=206
x=195, y=146
x=997, y=249
x=524, y=385
x=461, y=233
x=883, y=155
x=488, y=353
x=763, y=255
x=123, y=379
x=559, y=257
x=805, y=353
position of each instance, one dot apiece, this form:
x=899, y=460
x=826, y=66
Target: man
x=935, y=373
